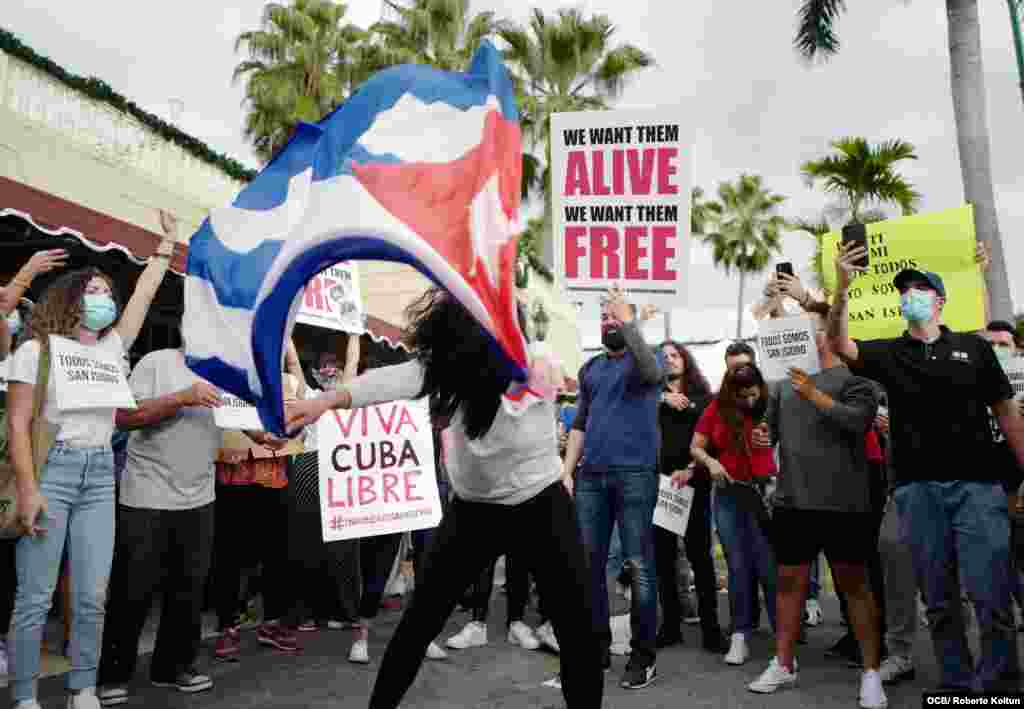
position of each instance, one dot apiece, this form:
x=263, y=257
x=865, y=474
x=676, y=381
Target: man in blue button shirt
x=616, y=432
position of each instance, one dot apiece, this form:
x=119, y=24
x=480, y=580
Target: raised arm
x=839, y=318
x=149, y=282
x=293, y=365
x=352, y=354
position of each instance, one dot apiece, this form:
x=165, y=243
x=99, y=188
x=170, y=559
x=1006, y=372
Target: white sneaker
x=84, y=699
x=738, y=652
x=812, y=612
x=434, y=652
x=872, y=696
x=896, y=668
x=360, y=652
x=519, y=633
x=546, y=635
x=473, y=635
x=113, y=696
x=775, y=677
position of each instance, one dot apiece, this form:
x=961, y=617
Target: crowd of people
x=899, y=463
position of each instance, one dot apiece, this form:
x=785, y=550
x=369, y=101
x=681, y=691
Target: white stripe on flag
x=420, y=132
x=242, y=230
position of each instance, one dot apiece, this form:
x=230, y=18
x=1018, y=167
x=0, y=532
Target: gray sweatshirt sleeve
x=855, y=407
x=646, y=362
x=394, y=383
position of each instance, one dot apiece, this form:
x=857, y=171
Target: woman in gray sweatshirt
x=502, y=456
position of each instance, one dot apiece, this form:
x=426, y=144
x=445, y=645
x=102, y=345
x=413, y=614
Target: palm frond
x=815, y=32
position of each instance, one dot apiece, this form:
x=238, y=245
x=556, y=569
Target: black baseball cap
x=908, y=275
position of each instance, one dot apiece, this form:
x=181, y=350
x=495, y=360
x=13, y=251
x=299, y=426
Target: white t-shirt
x=170, y=465
x=85, y=428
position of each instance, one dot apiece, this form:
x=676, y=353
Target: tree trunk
x=969, y=108
x=739, y=307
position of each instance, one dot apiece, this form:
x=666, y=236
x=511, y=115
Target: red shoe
x=273, y=635
x=393, y=603
x=229, y=644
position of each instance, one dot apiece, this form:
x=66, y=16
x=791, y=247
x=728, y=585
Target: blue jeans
x=749, y=557
x=965, y=524
x=78, y=484
x=815, y=586
x=623, y=497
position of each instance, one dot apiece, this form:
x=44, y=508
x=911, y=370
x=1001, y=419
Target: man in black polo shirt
x=948, y=490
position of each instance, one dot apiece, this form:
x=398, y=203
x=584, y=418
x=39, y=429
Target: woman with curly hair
x=73, y=500
x=502, y=457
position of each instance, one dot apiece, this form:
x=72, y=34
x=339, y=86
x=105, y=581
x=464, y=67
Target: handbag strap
x=38, y=400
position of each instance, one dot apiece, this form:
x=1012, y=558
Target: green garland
x=100, y=91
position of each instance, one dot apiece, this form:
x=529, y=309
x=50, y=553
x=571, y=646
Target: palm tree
x=862, y=174
x=566, y=62
x=816, y=37
x=745, y=230
x=298, y=68
x=437, y=32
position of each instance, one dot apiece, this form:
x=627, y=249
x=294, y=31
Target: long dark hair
x=694, y=381
x=733, y=382
x=461, y=365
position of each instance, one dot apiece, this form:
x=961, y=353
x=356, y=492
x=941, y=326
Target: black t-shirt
x=677, y=432
x=939, y=394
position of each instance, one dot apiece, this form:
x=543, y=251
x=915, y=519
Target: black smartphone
x=784, y=267
x=857, y=234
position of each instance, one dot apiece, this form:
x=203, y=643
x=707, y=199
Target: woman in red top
x=722, y=443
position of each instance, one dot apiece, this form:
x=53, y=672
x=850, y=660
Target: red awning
x=59, y=217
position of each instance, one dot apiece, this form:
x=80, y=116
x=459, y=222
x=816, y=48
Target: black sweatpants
x=157, y=550
x=517, y=586
x=376, y=559
x=697, y=541
x=240, y=545
x=471, y=535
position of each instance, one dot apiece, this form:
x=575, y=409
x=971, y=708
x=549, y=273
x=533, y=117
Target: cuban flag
x=419, y=166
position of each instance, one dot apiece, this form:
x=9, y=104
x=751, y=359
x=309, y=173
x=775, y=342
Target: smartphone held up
x=857, y=235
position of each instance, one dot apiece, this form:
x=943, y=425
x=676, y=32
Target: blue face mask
x=98, y=311
x=917, y=306
x=14, y=323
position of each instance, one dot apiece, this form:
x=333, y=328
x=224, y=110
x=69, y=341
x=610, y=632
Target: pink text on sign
x=614, y=257
x=632, y=171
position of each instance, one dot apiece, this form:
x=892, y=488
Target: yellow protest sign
x=942, y=242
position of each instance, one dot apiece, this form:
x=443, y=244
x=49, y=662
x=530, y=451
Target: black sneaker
x=715, y=643
x=189, y=682
x=668, y=637
x=639, y=674
x=848, y=650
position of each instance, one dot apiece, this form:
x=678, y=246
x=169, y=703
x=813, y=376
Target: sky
x=756, y=106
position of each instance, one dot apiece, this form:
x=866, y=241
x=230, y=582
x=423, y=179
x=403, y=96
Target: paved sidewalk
x=502, y=676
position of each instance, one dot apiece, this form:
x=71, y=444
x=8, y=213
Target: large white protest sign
x=377, y=471
x=88, y=377
x=673, y=509
x=236, y=414
x=785, y=343
x=332, y=300
x=621, y=185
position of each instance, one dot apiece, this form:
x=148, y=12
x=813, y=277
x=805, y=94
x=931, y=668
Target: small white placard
x=785, y=343
x=236, y=414
x=88, y=377
x=673, y=509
